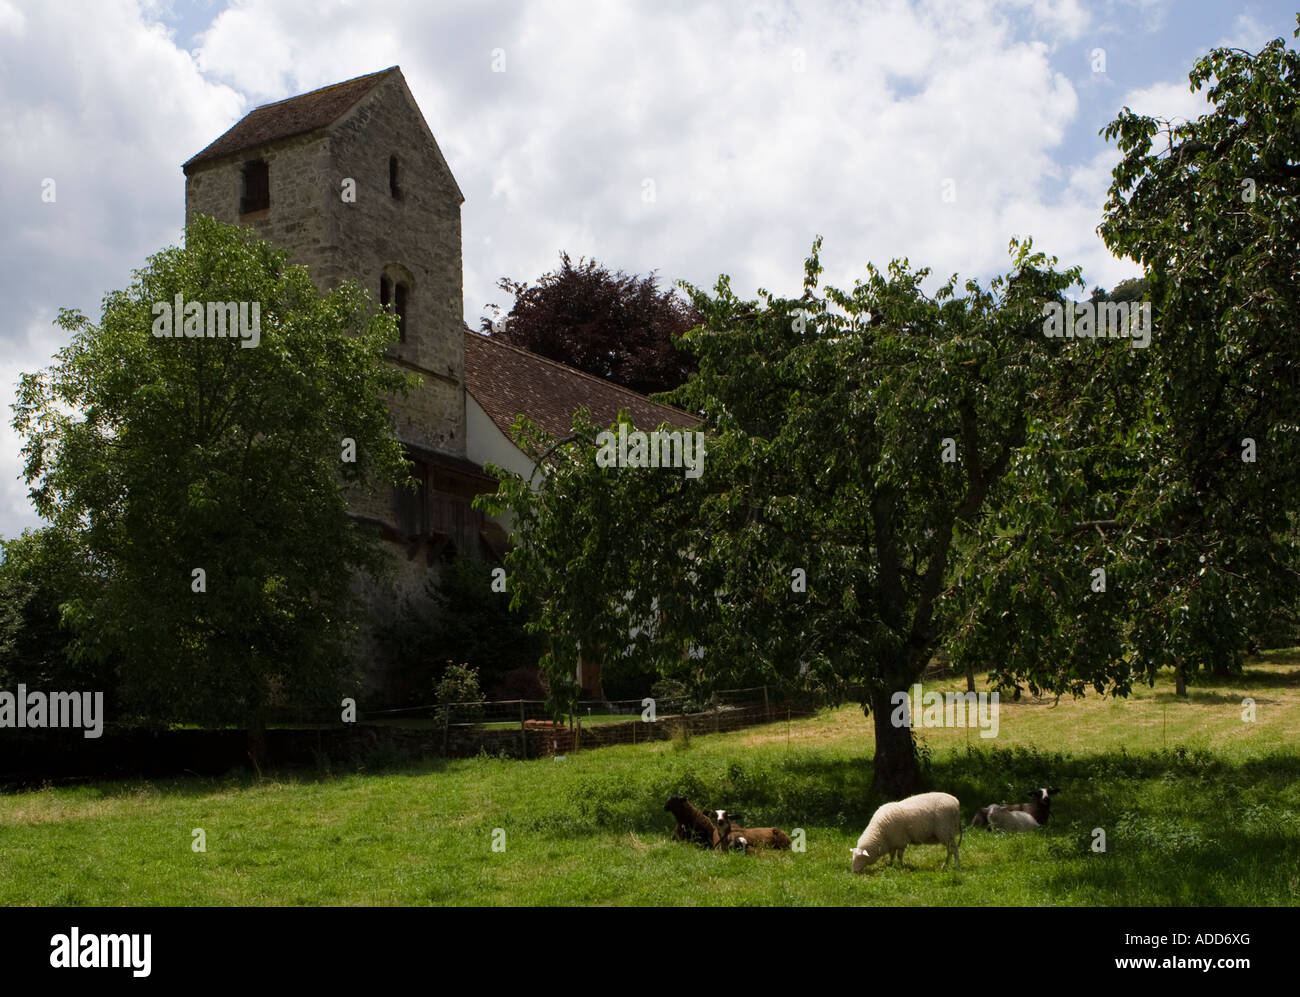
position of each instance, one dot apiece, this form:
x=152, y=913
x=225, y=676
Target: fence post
x=767, y=709
x=523, y=732
x=446, y=729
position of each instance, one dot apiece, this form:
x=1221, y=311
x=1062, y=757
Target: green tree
x=1211, y=209
x=1174, y=470
x=164, y=457
x=1098, y=521
x=42, y=571
x=819, y=539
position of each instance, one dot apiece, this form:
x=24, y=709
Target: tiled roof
x=506, y=381
x=294, y=116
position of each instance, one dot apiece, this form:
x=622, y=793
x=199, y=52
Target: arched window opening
x=399, y=305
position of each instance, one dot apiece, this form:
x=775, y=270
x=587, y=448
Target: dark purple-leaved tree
x=612, y=325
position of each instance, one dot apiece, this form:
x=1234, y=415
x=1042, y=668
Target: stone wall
x=300, y=174
x=418, y=232
x=416, y=235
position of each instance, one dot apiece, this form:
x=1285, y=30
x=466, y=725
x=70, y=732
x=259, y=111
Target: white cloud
x=97, y=98
x=12, y=21
x=1175, y=101
x=750, y=158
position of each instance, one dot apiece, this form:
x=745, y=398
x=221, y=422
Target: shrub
x=673, y=696
x=458, y=694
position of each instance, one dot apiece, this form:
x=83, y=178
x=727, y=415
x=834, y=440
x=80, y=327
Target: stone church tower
x=285, y=170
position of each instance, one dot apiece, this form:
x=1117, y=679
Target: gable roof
x=293, y=116
x=506, y=381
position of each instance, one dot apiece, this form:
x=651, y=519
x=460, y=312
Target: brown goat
x=749, y=838
x=692, y=823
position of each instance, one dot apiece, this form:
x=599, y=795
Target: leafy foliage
x=1099, y=522
x=1211, y=209
x=458, y=687
x=41, y=572
x=461, y=620
x=157, y=456
x=826, y=419
x=1200, y=546
x=615, y=326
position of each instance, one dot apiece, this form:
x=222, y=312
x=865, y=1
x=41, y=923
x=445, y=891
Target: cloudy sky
x=755, y=125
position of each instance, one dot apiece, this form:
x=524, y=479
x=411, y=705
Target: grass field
x=1198, y=808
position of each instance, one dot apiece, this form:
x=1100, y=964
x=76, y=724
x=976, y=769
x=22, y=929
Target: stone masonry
x=311, y=144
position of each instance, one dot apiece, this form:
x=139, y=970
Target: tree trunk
x=1180, y=681
x=896, y=771
x=257, y=744
x=589, y=676
x=970, y=676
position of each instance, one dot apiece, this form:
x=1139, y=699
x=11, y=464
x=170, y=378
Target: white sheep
x=1005, y=819
x=927, y=819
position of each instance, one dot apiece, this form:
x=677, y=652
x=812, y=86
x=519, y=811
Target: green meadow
x=1197, y=805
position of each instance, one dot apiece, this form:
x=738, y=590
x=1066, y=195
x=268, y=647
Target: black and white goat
x=1017, y=816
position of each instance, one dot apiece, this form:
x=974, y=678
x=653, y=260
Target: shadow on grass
x=1249, y=678
x=1151, y=860
x=1169, y=801
x=1196, y=696
x=1182, y=827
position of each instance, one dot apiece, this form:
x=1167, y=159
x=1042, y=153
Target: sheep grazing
x=999, y=815
x=749, y=838
x=693, y=824
x=926, y=819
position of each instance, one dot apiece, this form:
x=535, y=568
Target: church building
x=286, y=170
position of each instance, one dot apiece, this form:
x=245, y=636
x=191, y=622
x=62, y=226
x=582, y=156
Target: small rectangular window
x=257, y=187
x=399, y=305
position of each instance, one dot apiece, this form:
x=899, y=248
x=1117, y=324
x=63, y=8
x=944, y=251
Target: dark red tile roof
x=506, y=381
x=294, y=116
